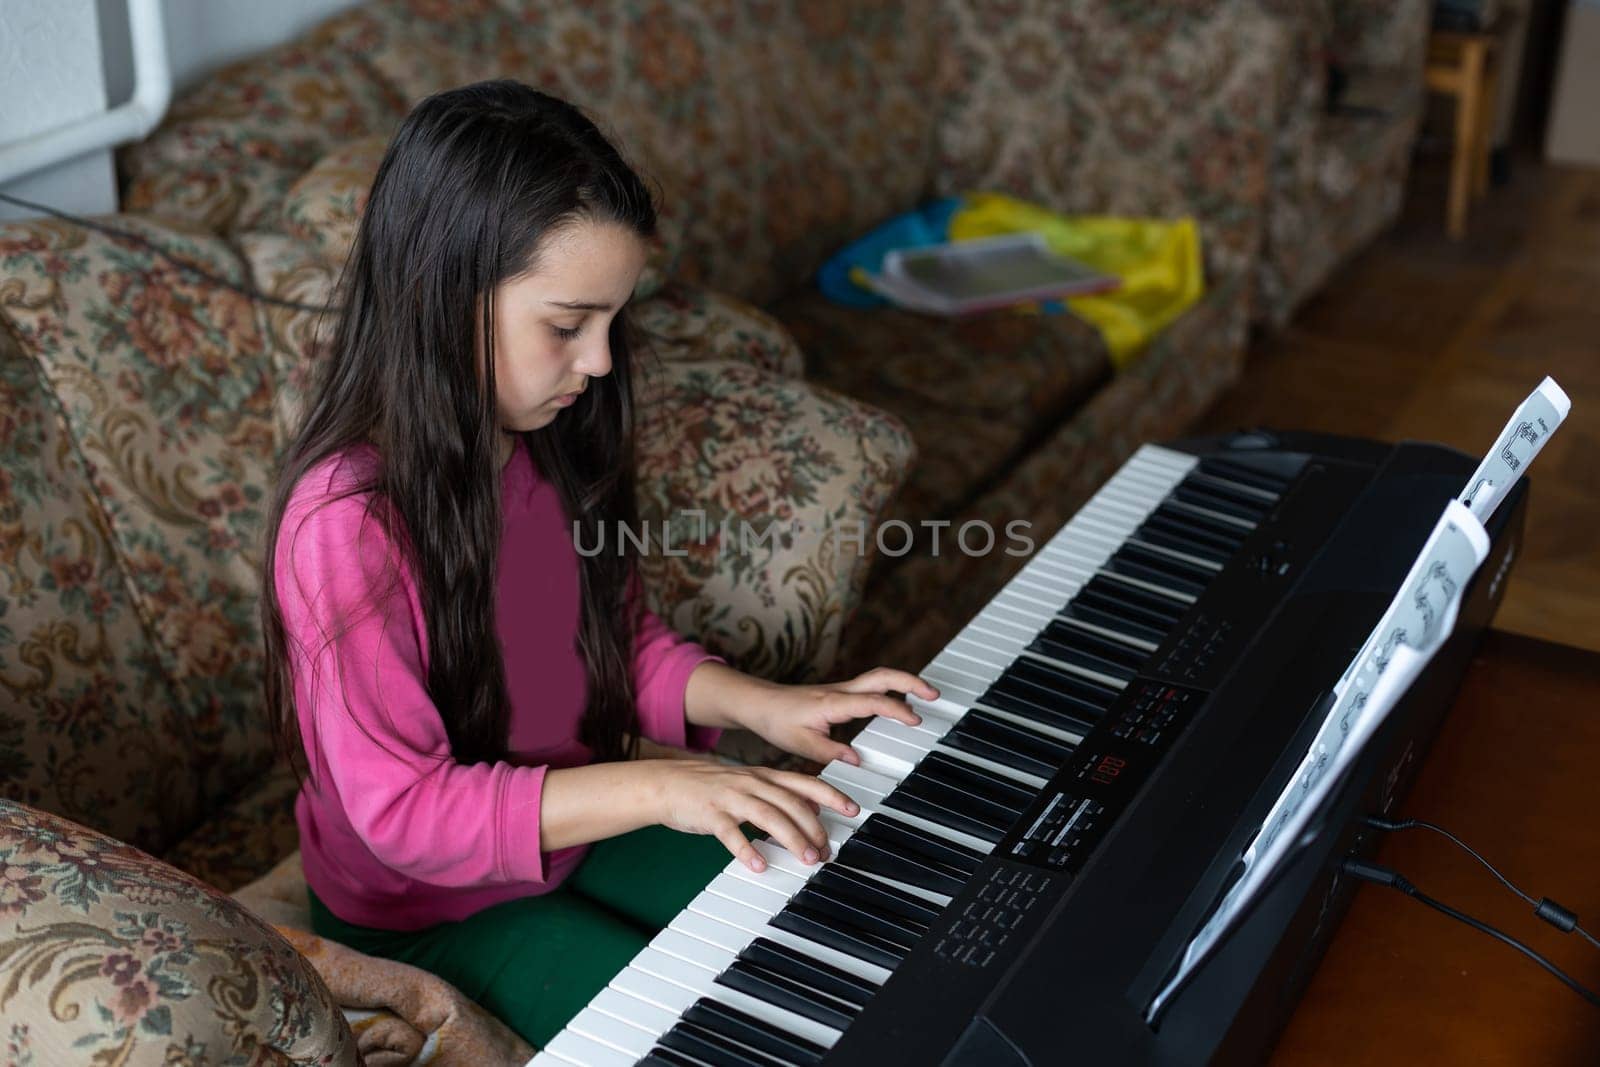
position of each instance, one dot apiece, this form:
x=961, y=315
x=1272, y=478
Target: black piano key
x=1147, y=566
x=800, y=918
x=1131, y=602
x=1217, y=531
x=1163, y=537
x=1191, y=536
x=886, y=901
x=943, y=815
x=1095, y=616
x=915, y=840
x=1029, y=702
x=878, y=857
x=783, y=992
x=985, y=783
x=744, y=1028
x=802, y=968
x=919, y=787
x=667, y=1057
x=1080, y=648
x=1201, y=496
x=1244, y=495
x=1238, y=472
x=711, y=1049
x=1093, y=697
x=1008, y=744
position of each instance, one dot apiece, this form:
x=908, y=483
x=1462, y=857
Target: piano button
x=702, y=983
x=711, y=1049
x=800, y=919
x=584, y=1051
x=748, y=1030
x=783, y=992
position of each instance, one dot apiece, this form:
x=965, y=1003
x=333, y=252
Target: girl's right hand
x=714, y=798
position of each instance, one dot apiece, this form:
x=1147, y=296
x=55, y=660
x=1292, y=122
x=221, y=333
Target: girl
x=493, y=728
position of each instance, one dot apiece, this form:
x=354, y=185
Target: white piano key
x=583, y=1051
x=593, y=1023
x=736, y=939
x=924, y=736
x=887, y=755
x=988, y=658
x=645, y=1017
x=773, y=879
x=712, y=931
x=703, y=983
x=741, y=892
x=997, y=625
x=716, y=906
x=647, y=987
x=853, y=780
x=706, y=956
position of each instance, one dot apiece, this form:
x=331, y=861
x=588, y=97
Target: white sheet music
x=1414, y=626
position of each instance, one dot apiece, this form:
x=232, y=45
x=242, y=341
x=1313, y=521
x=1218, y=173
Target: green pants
x=535, y=962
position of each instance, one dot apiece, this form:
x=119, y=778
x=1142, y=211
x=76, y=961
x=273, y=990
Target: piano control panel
x=1069, y=819
x=991, y=917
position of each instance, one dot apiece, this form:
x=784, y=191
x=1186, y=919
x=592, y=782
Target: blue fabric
x=927, y=225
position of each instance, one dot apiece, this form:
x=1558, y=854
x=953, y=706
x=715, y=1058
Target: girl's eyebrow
x=579, y=305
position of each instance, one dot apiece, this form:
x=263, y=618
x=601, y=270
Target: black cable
x=1549, y=910
x=181, y=264
x=1384, y=876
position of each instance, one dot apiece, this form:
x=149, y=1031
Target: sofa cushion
x=243, y=838
x=759, y=480
x=108, y=955
x=976, y=393
x=157, y=473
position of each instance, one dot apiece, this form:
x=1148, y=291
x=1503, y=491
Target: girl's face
x=552, y=327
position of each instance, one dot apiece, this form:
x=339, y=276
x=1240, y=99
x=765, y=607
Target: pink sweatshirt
x=392, y=835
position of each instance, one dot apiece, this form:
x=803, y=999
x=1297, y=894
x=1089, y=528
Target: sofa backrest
x=777, y=129
x=134, y=453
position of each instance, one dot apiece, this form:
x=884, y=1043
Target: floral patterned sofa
x=143, y=408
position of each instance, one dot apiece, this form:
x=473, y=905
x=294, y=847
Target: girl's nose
x=595, y=362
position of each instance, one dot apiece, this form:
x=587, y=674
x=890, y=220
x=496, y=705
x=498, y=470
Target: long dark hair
x=472, y=182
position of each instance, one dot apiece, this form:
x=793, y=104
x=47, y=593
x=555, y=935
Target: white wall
x=58, y=54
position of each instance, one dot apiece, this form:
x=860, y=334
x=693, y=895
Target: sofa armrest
x=1077, y=107
x=107, y=953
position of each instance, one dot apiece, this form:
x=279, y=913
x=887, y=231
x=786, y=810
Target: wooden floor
x=1422, y=338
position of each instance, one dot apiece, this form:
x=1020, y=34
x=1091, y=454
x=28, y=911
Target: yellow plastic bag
x=1158, y=261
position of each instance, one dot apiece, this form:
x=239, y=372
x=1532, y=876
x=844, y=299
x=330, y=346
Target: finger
x=862, y=706
x=776, y=822
x=883, y=679
x=817, y=745
x=822, y=792
x=798, y=807
x=734, y=841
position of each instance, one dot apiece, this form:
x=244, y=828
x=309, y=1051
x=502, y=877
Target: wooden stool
x=1464, y=65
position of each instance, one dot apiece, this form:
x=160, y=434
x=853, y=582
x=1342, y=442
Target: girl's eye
x=566, y=334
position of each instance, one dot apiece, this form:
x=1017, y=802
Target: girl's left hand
x=797, y=718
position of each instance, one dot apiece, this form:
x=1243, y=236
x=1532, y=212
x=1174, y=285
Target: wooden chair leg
x=1468, y=104
x=1485, y=143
